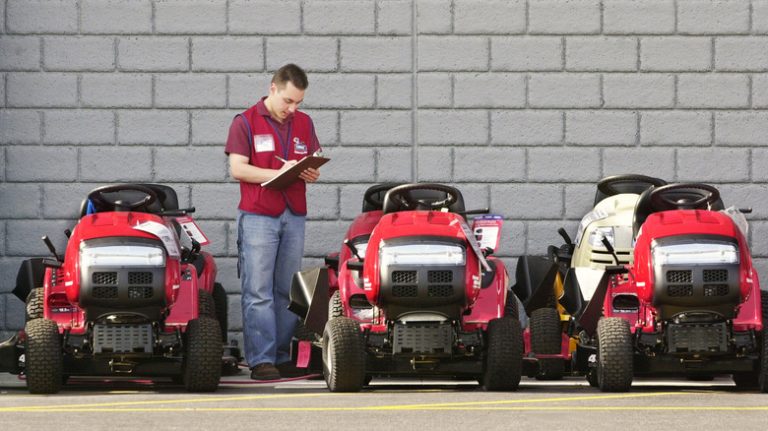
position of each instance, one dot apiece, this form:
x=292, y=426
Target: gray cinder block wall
x=522, y=104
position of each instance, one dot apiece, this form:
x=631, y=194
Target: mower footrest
x=704, y=337
x=122, y=338
x=423, y=337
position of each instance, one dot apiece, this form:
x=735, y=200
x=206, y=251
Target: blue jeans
x=271, y=249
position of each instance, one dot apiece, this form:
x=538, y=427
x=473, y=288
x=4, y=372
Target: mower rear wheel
x=546, y=339
x=343, y=355
x=202, y=355
x=221, y=305
x=504, y=355
x=43, y=358
x=510, y=306
x=614, y=355
x=205, y=305
x=763, y=378
x=35, y=301
x=335, y=309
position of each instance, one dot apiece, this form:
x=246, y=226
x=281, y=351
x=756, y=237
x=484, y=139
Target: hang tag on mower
x=487, y=230
x=473, y=244
x=164, y=233
x=192, y=230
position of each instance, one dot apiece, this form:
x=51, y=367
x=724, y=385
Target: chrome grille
x=679, y=276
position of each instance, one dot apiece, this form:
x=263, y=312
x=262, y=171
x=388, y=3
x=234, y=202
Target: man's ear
x=272, y=89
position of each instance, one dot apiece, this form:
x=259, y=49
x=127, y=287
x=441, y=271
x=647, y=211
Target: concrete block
x=489, y=164
x=79, y=127
x=322, y=237
x=2, y=164
x=675, y=54
x=562, y=165
x=339, y=17
x=639, y=17
x=190, y=164
x=741, y=128
x=476, y=196
x=227, y=54
x=348, y=165
x=453, y=53
x=20, y=53
x=211, y=127
x=609, y=53
x=465, y=127
x=434, y=90
x=739, y=54
x=351, y=200
x=116, y=164
x=62, y=201
x=19, y=201
x=116, y=16
x=116, y=90
x=15, y=313
x=2, y=21
x=491, y=16
x=675, y=128
x=2, y=90
x=41, y=164
x=759, y=165
x=434, y=164
x=264, y=17
x=654, y=162
x=394, y=17
x=528, y=201
x=394, y=165
x=758, y=231
x=41, y=16
x=512, y=242
x=566, y=90
x=216, y=231
x=190, y=17
x=394, y=91
x=41, y=90
x=341, y=91
x=191, y=91
x=601, y=128
x=68, y=53
x=376, y=127
x=579, y=200
x=148, y=127
x=721, y=164
x=9, y=268
x=2, y=242
x=246, y=90
x=322, y=202
x=326, y=127
x=713, y=91
x=527, y=127
x=379, y=54
x=23, y=236
x=227, y=276
x=155, y=54
x=760, y=17
x=760, y=91
x=313, y=54
x=434, y=16
x=745, y=196
x=541, y=234
x=638, y=91
x=494, y=90
x=19, y=126
x=564, y=17
x=713, y=17
x=527, y=53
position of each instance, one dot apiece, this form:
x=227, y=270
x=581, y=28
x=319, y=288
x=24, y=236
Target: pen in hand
x=281, y=159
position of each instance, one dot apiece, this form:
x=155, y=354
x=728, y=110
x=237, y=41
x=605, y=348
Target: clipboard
x=288, y=176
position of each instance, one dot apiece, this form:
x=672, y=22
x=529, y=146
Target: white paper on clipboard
x=164, y=234
x=189, y=227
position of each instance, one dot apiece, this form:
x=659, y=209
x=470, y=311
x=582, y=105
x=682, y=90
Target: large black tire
x=510, y=306
x=614, y=355
x=343, y=355
x=205, y=305
x=335, y=309
x=221, y=305
x=503, y=366
x=35, y=301
x=763, y=378
x=202, y=355
x=43, y=357
x=546, y=339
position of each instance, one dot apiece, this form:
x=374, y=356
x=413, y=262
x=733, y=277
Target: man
x=264, y=140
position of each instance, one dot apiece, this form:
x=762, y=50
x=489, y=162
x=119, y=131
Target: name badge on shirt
x=299, y=147
x=263, y=143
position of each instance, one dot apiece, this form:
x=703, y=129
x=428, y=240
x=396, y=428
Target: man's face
x=285, y=101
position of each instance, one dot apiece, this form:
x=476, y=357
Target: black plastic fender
x=309, y=297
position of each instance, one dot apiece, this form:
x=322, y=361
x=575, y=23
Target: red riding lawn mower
x=128, y=298
x=689, y=305
x=422, y=299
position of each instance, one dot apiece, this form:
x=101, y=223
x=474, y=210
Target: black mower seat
x=644, y=207
x=373, y=198
x=426, y=194
x=630, y=183
x=166, y=200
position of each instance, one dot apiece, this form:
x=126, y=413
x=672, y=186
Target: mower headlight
x=701, y=253
x=422, y=254
x=592, y=216
x=596, y=236
x=122, y=256
x=361, y=247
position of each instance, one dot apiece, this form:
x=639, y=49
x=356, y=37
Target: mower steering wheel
x=404, y=197
x=97, y=196
x=687, y=196
x=371, y=194
x=607, y=185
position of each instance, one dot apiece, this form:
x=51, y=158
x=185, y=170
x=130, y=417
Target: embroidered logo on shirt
x=299, y=147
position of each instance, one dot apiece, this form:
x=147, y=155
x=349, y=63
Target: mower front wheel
x=614, y=355
x=43, y=357
x=504, y=355
x=202, y=355
x=546, y=339
x=335, y=308
x=34, y=306
x=343, y=355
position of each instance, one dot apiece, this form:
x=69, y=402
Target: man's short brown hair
x=293, y=74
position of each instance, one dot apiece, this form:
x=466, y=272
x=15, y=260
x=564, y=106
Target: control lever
x=611, y=250
x=353, y=249
x=52, y=249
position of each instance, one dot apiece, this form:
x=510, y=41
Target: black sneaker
x=288, y=370
x=265, y=371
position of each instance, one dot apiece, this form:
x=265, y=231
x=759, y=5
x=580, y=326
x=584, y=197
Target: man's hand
x=310, y=175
